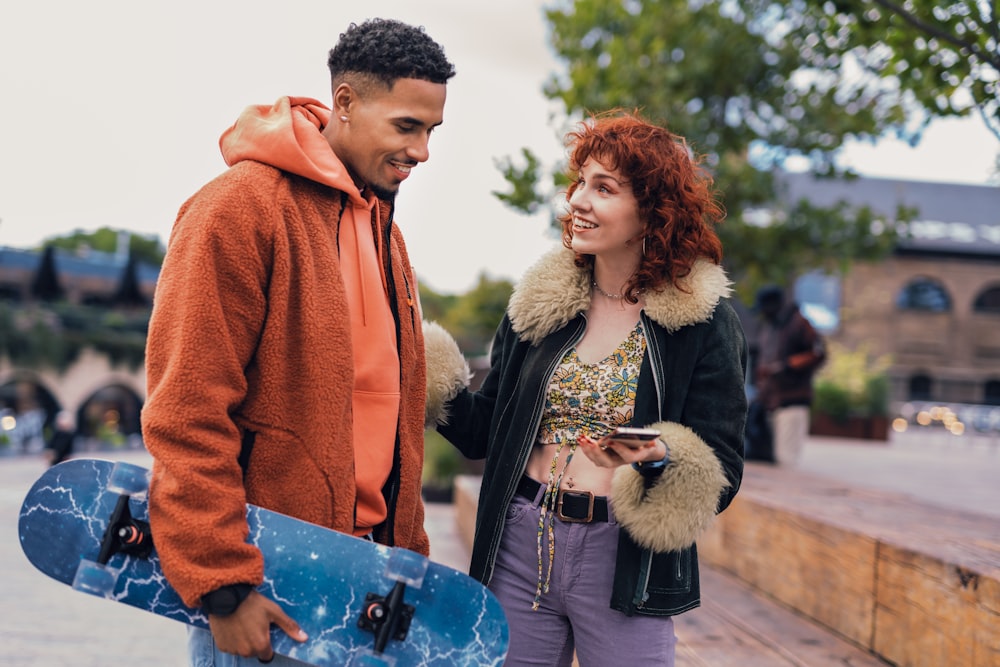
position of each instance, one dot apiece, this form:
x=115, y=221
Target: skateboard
x=85, y=523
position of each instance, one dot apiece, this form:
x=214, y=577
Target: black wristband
x=651, y=469
x=225, y=600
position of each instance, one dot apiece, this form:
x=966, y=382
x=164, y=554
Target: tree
x=747, y=87
x=435, y=306
x=472, y=318
x=943, y=57
x=45, y=285
x=105, y=239
x=476, y=314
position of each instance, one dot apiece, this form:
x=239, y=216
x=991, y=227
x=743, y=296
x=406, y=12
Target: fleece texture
x=555, y=290
x=447, y=372
x=250, y=348
x=672, y=513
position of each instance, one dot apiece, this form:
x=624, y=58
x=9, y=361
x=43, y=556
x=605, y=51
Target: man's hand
x=247, y=631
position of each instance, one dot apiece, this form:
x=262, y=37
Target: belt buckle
x=571, y=519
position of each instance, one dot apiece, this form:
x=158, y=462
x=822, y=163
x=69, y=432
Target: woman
x=586, y=539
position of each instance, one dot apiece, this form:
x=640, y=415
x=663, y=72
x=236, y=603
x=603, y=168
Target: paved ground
x=45, y=623
x=938, y=468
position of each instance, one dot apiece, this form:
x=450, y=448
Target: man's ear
x=344, y=97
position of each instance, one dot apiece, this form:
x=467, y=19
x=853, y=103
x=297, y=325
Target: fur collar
x=554, y=291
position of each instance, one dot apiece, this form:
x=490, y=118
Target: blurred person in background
x=60, y=444
x=786, y=352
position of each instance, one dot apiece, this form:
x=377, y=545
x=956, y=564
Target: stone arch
x=991, y=392
x=28, y=407
x=988, y=301
x=920, y=387
x=924, y=294
x=111, y=413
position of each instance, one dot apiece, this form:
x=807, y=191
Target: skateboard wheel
x=407, y=566
x=128, y=479
x=95, y=579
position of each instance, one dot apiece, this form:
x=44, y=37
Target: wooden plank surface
x=931, y=613
x=916, y=583
x=738, y=626
x=822, y=570
x=970, y=541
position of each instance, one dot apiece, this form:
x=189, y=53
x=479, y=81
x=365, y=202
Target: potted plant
x=851, y=394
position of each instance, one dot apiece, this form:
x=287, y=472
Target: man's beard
x=383, y=194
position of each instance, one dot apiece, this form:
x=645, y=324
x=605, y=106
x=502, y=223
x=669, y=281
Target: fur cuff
x=447, y=372
x=681, y=503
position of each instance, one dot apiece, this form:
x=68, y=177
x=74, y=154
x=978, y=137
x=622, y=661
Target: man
x=787, y=353
x=285, y=358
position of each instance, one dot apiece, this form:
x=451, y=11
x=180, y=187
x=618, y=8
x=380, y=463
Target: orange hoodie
x=287, y=136
x=252, y=341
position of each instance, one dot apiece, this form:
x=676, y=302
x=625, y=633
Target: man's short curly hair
x=386, y=50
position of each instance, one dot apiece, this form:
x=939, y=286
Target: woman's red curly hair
x=676, y=199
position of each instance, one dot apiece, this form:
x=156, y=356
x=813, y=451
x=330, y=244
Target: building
x=934, y=305
x=87, y=277
x=72, y=337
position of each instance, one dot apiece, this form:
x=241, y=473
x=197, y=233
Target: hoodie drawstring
x=361, y=273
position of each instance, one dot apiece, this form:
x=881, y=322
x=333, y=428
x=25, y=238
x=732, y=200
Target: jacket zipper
x=411, y=299
x=536, y=419
x=646, y=567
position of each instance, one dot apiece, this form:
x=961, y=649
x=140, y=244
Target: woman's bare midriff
x=582, y=474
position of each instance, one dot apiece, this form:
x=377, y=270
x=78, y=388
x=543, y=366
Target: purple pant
x=575, y=613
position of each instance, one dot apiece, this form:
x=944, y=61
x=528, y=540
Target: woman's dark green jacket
x=690, y=388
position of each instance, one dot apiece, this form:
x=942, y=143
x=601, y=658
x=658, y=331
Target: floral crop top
x=592, y=399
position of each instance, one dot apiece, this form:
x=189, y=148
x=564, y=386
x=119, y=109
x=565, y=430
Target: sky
x=112, y=110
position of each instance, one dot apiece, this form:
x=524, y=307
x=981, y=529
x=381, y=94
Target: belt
x=571, y=506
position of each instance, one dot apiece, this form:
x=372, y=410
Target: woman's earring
x=643, y=246
x=343, y=119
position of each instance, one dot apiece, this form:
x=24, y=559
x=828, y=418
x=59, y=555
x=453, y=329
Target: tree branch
x=933, y=31
x=992, y=123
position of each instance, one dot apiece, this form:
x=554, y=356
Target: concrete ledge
x=913, y=583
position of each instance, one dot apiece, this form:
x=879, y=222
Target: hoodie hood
x=288, y=136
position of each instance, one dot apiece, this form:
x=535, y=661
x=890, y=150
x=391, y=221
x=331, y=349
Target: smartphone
x=634, y=437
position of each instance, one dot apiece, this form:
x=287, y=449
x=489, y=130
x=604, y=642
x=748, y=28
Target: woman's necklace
x=603, y=293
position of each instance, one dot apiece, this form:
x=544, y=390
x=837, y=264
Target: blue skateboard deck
x=360, y=603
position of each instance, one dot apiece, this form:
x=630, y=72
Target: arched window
x=924, y=294
x=111, y=413
x=920, y=388
x=988, y=301
x=991, y=392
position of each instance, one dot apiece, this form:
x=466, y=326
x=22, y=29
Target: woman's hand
x=610, y=453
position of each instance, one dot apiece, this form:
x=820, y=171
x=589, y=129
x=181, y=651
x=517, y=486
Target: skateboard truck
x=125, y=534
x=387, y=617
